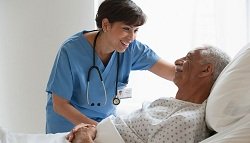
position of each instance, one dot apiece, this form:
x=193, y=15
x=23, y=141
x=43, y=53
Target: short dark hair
x=125, y=11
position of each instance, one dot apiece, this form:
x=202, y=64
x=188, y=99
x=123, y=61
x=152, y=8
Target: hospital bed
x=227, y=111
x=228, y=105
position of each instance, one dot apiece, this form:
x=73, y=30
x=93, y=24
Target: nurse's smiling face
x=120, y=35
x=188, y=68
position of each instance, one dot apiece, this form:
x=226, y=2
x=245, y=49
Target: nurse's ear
x=106, y=26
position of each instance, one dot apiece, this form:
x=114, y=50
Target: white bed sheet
x=10, y=137
x=106, y=133
x=237, y=133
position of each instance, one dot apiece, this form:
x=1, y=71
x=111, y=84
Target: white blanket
x=11, y=137
x=106, y=133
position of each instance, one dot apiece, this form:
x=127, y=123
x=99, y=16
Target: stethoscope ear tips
x=93, y=104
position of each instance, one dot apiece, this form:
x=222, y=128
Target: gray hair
x=216, y=57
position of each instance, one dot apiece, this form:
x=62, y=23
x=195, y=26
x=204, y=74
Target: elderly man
x=179, y=119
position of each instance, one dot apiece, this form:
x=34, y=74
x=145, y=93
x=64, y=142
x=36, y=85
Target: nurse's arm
x=65, y=109
x=163, y=69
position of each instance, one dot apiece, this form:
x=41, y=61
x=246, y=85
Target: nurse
x=91, y=66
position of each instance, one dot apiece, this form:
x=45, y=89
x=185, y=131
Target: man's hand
x=82, y=133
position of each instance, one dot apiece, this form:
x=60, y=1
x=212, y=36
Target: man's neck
x=196, y=94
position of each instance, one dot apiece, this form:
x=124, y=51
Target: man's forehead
x=196, y=53
x=196, y=50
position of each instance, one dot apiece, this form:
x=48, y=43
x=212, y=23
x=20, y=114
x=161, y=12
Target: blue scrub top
x=68, y=79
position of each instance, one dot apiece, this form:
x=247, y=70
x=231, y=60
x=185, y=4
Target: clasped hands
x=82, y=133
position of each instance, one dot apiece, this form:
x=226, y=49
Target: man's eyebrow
x=189, y=55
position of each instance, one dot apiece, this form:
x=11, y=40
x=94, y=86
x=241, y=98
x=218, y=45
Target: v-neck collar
x=104, y=70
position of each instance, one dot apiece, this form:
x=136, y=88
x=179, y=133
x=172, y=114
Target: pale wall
x=31, y=32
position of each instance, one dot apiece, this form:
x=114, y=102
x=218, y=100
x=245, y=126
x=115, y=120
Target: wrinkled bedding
x=164, y=120
x=106, y=133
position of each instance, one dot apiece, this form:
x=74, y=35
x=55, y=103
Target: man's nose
x=179, y=62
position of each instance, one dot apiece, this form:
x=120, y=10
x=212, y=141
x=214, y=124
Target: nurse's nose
x=132, y=35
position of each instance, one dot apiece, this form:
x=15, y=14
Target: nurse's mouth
x=125, y=43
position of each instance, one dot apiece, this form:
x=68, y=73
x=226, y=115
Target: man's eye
x=187, y=58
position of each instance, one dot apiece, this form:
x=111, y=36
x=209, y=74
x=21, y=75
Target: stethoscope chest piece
x=116, y=101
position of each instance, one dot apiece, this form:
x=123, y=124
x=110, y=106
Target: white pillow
x=238, y=133
x=229, y=100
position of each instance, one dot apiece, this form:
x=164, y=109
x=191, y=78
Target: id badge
x=124, y=93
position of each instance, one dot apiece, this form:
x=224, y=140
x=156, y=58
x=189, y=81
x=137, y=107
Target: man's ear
x=207, y=69
x=105, y=25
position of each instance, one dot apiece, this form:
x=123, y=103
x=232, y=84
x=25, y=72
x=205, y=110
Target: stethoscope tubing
x=116, y=100
x=100, y=76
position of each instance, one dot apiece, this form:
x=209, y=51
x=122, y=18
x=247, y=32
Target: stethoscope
x=116, y=100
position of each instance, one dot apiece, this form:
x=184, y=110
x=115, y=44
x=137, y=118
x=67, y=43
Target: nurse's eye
x=126, y=28
x=136, y=30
